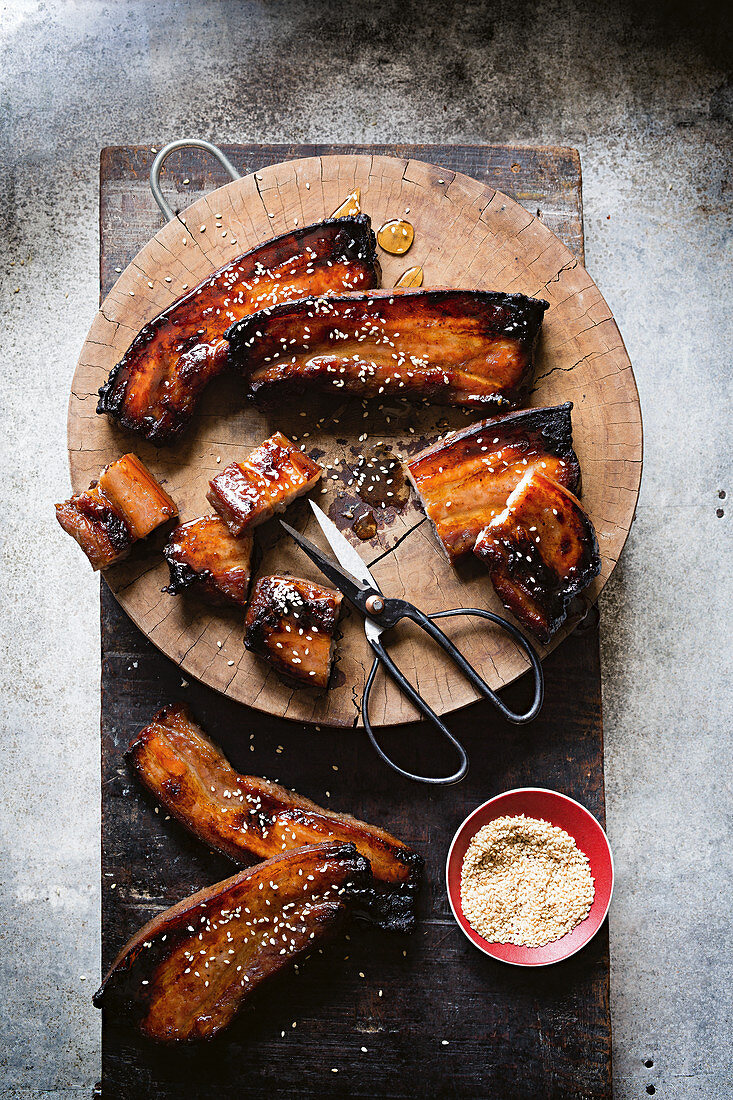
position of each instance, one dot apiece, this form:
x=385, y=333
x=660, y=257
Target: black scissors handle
x=401, y=609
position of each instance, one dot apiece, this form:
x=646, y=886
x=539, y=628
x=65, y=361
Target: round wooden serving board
x=466, y=235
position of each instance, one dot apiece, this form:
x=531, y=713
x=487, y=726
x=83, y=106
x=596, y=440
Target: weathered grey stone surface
x=642, y=91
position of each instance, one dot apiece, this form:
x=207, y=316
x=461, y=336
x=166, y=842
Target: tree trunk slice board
x=511, y=1033
x=466, y=234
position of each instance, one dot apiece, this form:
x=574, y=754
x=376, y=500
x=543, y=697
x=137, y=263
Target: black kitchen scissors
x=381, y=613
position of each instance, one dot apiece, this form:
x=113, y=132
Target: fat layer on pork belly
x=204, y=556
x=453, y=347
x=465, y=479
x=540, y=552
x=249, y=818
x=187, y=972
x=248, y=493
x=155, y=387
x=291, y=623
x=124, y=505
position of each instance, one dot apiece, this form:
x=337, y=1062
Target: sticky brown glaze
x=155, y=387
x=203, y=556
x=248, y=493
x=187, y=972
x=453, y=347
x=464, y=480
x=125, y=504
x=248, y=818
x=291, y=623
x=540, y=552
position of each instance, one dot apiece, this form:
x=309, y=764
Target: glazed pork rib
x=452, y=347
x=540, y=551
x=291, y=623
x=204, y=556
x=465, y=479
x=248, y=493
x=125, y=504
x=187, y=972
x=248, y=818
x=155, y=387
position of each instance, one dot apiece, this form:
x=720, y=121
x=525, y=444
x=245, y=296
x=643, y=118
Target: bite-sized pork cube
x=291, y=623
x=248, y=493
x=125, y=504
x=204, y=556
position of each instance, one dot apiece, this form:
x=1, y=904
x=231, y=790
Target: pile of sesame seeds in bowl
x=525, y=882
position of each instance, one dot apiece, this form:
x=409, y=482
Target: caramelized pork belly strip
x=125, y=504
x=453, y=347
x=540, y=552
x=245, y=817
x=291, y=623
x=465, y=479
x=187, y=972
x=204, y=556
x=155, y=387
x=248, y=493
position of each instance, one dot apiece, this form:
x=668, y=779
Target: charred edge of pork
x=182, y=576
x=555, y=425
x=392, y=908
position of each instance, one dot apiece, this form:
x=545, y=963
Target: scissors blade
x=352, y=589
x=345, y=553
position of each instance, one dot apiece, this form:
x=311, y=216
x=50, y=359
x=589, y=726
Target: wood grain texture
x=467, y=234
x=511, y=1034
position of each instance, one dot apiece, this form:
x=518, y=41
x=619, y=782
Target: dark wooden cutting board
x=436, y=1017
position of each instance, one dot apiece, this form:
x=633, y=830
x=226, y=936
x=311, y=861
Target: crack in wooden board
x=467, y=233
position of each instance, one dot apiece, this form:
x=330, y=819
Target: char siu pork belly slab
x=451, y=347
x=187, y=972
x=156, y=386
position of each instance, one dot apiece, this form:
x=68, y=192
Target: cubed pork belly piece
x=156, y=386
x=248, y=818
x=465, y=479
x=248, y=493
x=189, y=970
x=540, y=551
x=204, y=556
x=291, y=623
x=451, y=347
x=124, y=505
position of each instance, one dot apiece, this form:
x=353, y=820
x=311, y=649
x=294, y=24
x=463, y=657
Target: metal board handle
x=184, y=143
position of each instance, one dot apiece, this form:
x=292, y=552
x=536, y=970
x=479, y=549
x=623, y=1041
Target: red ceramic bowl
x=560, y=810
